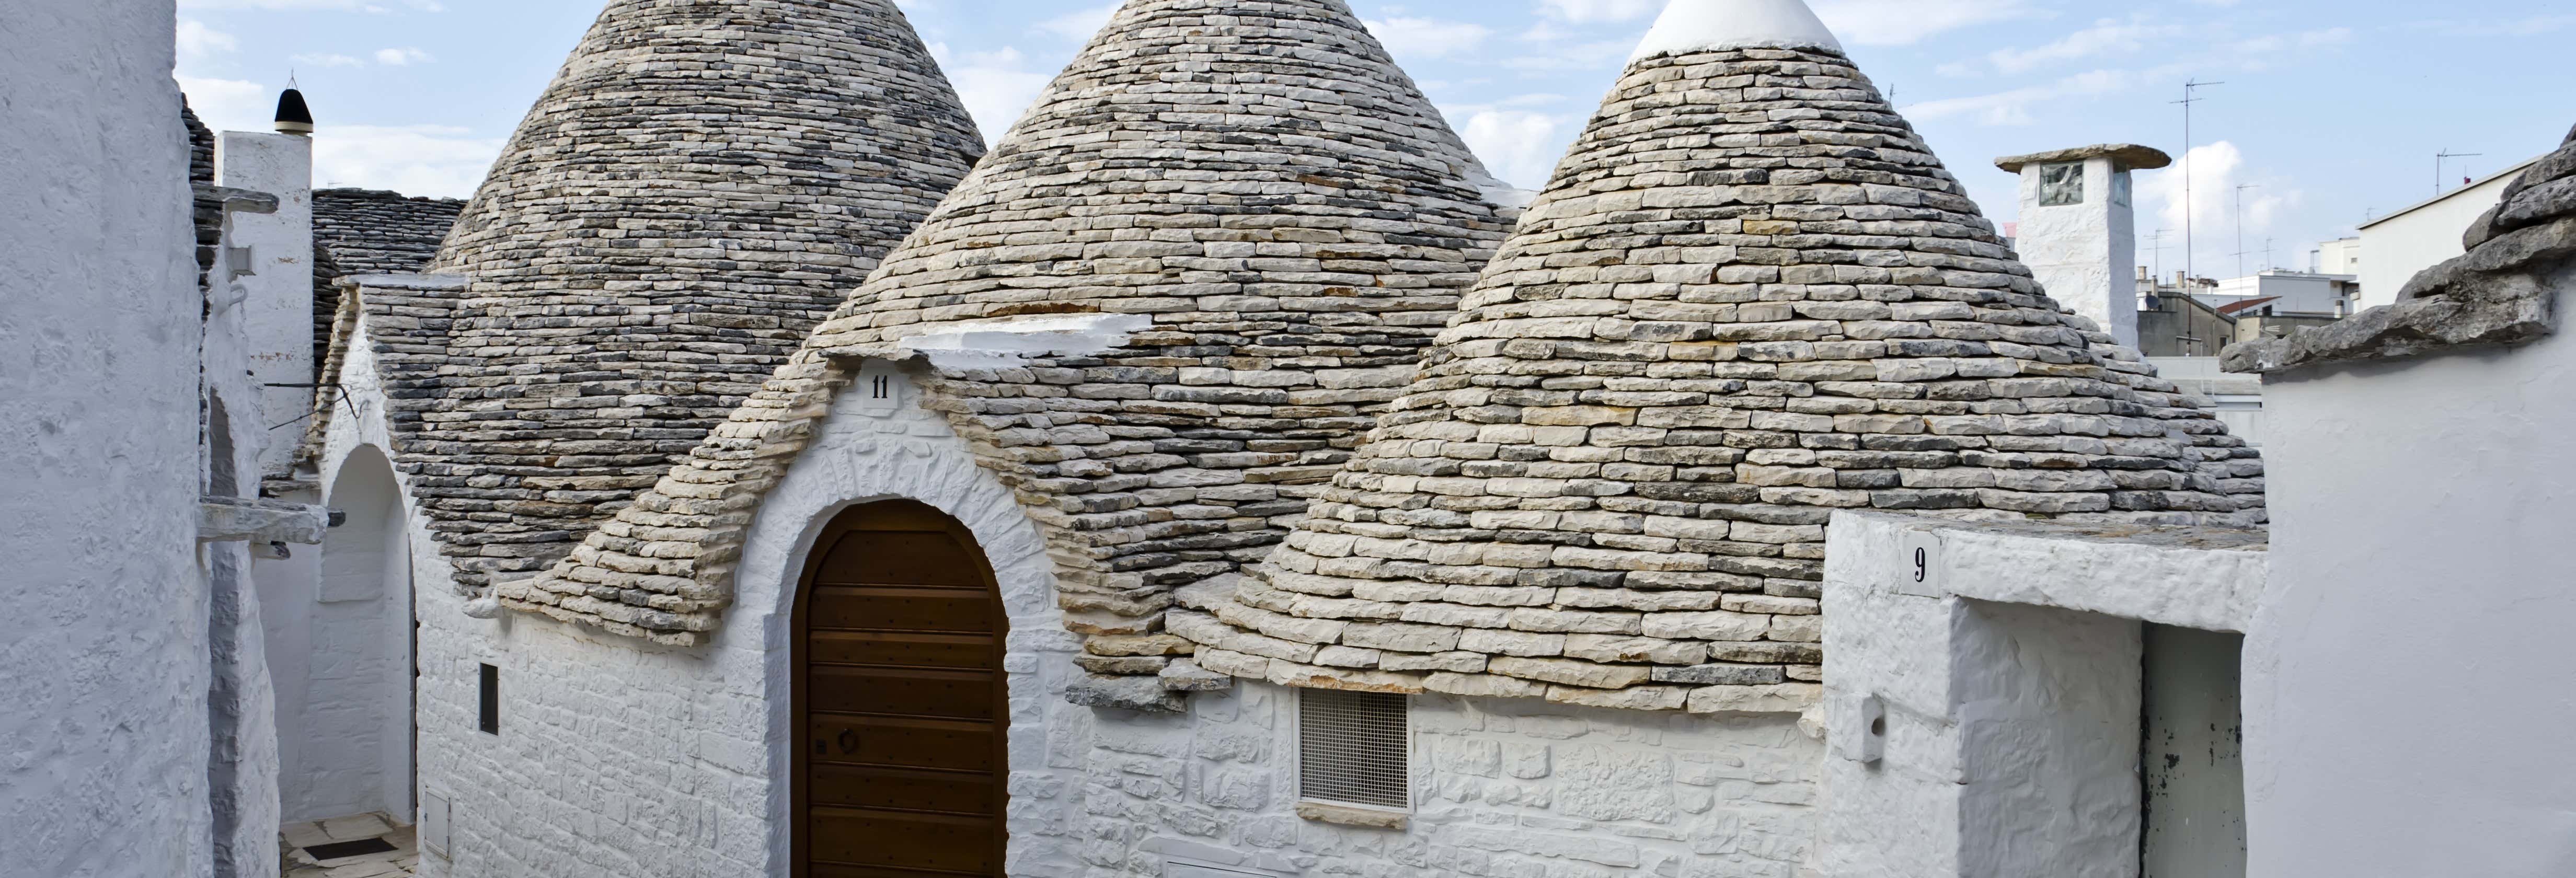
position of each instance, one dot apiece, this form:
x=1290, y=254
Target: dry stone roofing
x=360, y=232
x=699, y=186
x=1258, y=189
x=2502, y=291
x=1751, y=296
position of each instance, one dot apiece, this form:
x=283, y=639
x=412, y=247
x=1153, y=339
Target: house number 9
x=1921, y=551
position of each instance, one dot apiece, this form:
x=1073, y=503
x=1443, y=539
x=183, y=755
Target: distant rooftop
x=2455, y=193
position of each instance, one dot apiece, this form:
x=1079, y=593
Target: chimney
x=277, y=284
x=2079, y=228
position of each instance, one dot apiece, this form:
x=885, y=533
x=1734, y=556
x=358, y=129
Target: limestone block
x=1570, y=672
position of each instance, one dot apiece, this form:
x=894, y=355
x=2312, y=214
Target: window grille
x=1353, y=748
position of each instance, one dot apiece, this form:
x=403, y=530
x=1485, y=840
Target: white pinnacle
x=1708, y=25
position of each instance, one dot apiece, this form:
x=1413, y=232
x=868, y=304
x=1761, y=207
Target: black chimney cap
x=292, y=116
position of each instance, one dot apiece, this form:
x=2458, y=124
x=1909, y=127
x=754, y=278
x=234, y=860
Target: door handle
x=849, y=741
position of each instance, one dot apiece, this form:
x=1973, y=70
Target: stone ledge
x=231, y=519
x=1346, y=815
x=2127, y=155
x=1144, y=694
x=2498, y=294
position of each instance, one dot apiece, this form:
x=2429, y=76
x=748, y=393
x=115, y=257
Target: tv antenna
x=2240, y=226
x=2190, y=95
x=2442, y=161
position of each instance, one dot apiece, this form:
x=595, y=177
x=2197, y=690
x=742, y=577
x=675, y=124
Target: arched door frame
x=800, y=746
x=397, y=615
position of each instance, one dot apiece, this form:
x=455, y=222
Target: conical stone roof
x=1266, y=201
x=1751, y=296
x=702, y=183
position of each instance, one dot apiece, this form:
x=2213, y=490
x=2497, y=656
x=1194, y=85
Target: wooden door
x=901, y=707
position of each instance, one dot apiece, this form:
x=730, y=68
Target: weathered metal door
x=900, y=700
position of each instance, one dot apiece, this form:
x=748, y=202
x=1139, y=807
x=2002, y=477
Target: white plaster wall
x=242, y=767
x=2407, y=680
x=1506, y=787
x=2010, y=678
x=340, y=647
x=104, y=737
x=2085, y=255
x=277, y=311
x=2396, y=249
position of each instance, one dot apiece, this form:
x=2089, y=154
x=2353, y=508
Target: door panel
x=901, y=701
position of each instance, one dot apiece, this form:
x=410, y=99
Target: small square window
x=1354, y=748
x=2061, y=185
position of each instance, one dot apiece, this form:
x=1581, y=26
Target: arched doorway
x=342, y=654
x=900, y=700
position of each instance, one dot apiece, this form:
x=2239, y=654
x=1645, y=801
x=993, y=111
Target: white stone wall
x=104, y=734
x=2085, y=254
x=339, y=647
x=617, y=758
x=2009, y=676
x=2418, y=503
x=1501, y=787
x=277, y=310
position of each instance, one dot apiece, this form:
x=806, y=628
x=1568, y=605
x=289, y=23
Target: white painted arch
x=860, y=457
x=341, y=648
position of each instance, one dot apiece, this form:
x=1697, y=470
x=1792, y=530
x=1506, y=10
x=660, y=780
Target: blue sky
x=2331, y=112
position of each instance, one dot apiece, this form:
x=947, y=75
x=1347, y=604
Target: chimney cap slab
x=2128, y=156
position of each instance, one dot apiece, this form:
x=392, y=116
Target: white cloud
x=995, y=86
x=2215, y=172
x=2518, y=27
x=431, y=160
x=402, y=57
x=328, y=59
x=230, y=104
x=2013, y=107
x=1521, y=147
x=1906, y=22
x=2105, y=37
x=293, y=5
x=1548, y=55
x=1080, y=24
x=1586, y=11
x=1424, y=38
x=196, y=40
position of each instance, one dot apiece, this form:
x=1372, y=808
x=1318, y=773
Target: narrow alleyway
x=357, y=846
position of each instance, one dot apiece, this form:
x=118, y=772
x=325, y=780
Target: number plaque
x=1918, y=568
x=880, y=388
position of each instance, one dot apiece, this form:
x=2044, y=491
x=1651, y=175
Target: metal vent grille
x=1352, y=748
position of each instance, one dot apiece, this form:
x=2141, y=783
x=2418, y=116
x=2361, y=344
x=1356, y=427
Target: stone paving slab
x=400, y=862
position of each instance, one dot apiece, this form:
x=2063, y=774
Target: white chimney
x=277, y=308
x=2078, y=228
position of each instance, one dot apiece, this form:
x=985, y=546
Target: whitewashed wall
x=2009, y=675
x=616, y=758
x=2407, y=706
x=104, y=733
x=1501, y=787
x=2084, y=254
x=339, y=649
x=277, y=311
